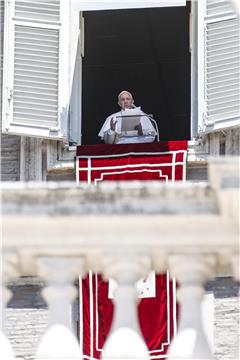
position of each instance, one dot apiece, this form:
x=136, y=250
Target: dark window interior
x=145, y=51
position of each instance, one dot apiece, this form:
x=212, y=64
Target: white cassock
x=116, y=137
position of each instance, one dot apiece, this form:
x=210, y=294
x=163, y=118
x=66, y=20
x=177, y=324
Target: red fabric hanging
x=157, y=315
x=162, y=161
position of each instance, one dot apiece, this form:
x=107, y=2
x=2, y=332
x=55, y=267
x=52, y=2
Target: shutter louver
x=36, y=69
x=222, y=63
x=35, y=76
x=38, y=10
x=218, y=8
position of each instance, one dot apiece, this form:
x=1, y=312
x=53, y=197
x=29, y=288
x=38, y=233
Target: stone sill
x=191, y=143
x=62, y=166
x=69, y=167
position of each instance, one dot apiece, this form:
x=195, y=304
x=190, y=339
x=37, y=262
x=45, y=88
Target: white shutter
x=219, y=65
x=36, y=73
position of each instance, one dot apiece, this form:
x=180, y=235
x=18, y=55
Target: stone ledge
x=196, y=157
x=66, y=198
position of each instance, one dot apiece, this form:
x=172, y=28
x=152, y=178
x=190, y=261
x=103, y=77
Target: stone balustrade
x=56, y=231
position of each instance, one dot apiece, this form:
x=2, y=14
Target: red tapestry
x=157, y=316
x=165, y=161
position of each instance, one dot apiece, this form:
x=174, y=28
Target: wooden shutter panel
x=221, y=65
x=36, y=86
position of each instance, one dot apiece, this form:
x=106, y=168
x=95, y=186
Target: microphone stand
x=150, y=117
x=155, y=123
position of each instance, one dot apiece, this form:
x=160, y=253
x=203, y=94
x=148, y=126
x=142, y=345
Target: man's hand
x=113, y=124
x=139, y=129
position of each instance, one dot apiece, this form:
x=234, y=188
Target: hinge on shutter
x=10, y=95
x=200, y=129
x=204, y=115
x=206, y=121
x=54, y=131
x=209, y=123
x=9, y=99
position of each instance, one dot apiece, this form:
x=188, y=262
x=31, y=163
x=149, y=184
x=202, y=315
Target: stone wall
x=223, y=142
x=10, y=157
x=26, y=316
x=226, y=327
x=226, y=317
x=233, y=141
x=25, y=328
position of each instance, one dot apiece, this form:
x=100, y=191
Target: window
x=42, y=65
x=145, y=51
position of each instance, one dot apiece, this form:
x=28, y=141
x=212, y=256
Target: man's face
x=125, y=101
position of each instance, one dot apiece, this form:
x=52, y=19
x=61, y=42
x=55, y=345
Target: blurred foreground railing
x=57, y=231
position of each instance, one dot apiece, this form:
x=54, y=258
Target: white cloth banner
x=86, y=5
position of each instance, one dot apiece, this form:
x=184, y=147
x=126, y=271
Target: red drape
x=156, y=161
x=157, y=315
